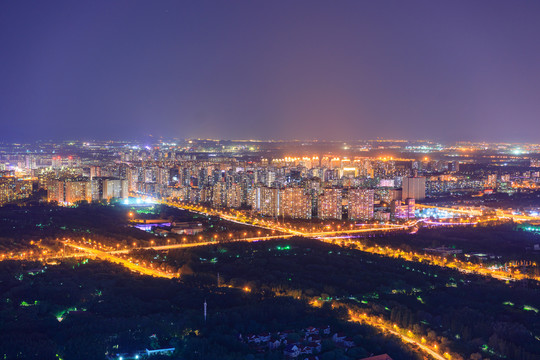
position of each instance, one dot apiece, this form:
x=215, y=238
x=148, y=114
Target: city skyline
x=269, y=180
x=352, y=70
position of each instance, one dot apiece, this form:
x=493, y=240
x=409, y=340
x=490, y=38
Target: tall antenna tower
x=205, y=310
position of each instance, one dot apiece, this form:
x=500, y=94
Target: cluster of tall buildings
x=301, y=188
x=69, y=191
x=13, y=188
x=250, y=175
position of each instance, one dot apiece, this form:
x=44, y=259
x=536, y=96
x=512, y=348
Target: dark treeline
x=502, y=240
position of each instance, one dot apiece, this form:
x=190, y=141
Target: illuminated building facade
x=12, y=189
x=270, y=202
x=361, y=204
x=295, y=203
x=330, y=204
x=403, y=209
x=219, y=194
x=69, y=191
x=234, y=196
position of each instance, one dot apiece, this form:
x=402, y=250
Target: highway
x=276, y=227
x=343, y=234
x=188, y=245
x=115, y=259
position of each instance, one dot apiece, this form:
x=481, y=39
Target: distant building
x=219, y=194
x=12, y=189
x=414, y=188
x=266, y=201
x=234, y=196
x=295, y=203
x=330, y=204
x=115, y=188
x=453, y=166
x=69, y=191
x=109, y=188
x=361, y=204
x=403, y=210
x=491, y=181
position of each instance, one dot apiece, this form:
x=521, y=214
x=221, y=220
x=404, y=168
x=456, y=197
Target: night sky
x=443, y=70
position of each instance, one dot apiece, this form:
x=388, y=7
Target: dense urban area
x=218, y=249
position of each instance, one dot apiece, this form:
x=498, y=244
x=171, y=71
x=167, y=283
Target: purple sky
x=443, y=70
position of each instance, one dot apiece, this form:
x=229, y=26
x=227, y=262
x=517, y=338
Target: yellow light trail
x=117, y=260
x=380, y=324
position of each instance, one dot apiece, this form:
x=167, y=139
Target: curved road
x=405, y=338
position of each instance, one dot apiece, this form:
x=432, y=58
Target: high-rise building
x=77, y=191
x=7, y=189
x=219, y=194
x=361, y=204
x=107, y=188
x=330, y=204
x=234, y=196
x=295, y=203
x=115, y=188
x=270, y=201
x=69, y=191
x=414, y=188
x=95, y=171
x=491, y=181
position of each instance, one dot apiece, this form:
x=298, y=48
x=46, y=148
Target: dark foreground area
x=465, y=314
x=95, y=310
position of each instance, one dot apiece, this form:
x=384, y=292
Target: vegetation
x=464, y=313
x=90, y=309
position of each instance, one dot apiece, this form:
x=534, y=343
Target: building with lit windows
x=234, y=196
x=295, y=203
x=69, y=191
x=403, y=210
x=12, y=189
x=266, y=201
x=270, y=202
x=491, y=181
x=330, y=204
x=361, y=204
x=219, y=194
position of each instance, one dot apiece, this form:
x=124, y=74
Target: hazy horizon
x=348, y=70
